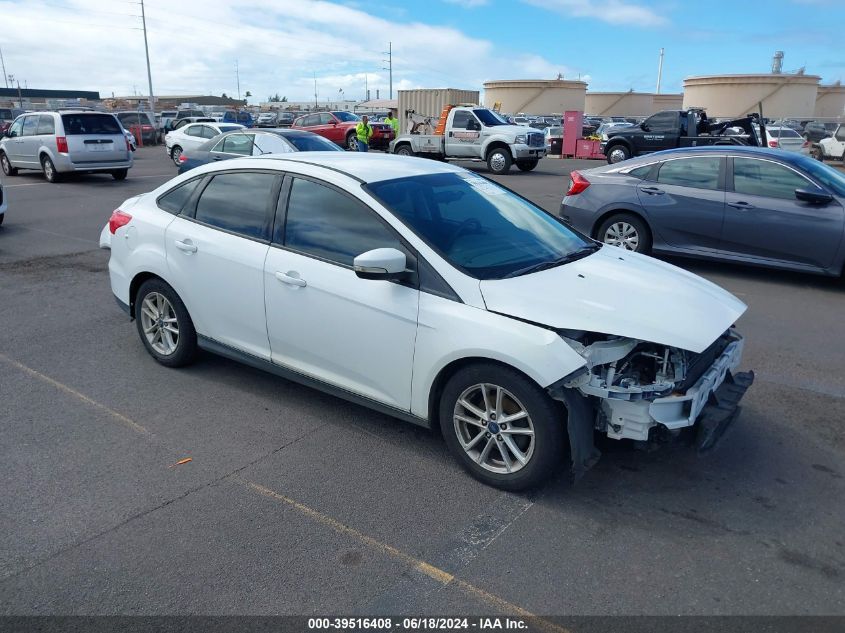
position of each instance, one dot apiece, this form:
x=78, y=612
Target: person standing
x=363, y=132
x=393, y=122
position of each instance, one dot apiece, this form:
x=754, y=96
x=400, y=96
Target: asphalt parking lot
x=296, y=502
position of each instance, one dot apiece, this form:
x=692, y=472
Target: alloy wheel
x=623, y=235
x=494, y=428
x=158, y=320
x=175, y=154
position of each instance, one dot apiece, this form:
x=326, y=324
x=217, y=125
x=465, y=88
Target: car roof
x=368, y=167
x=732, y=150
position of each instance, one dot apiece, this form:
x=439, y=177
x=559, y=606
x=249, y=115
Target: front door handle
x=290, y=279
x=186, y=246
x=742, y=205
x=651, y=190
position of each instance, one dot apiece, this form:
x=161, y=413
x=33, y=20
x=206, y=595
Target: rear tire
x=626, y=231
x=158, y=312
x=7, y=165
x=120, y=174
x=617, y=153
x=488, y=446
x=499, y=161
x=49, y=170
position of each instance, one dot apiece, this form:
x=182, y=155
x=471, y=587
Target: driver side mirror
x=644, y=127
x=813, y=197
x=380, y=263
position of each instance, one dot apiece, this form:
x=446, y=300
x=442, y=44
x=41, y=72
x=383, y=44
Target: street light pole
x=389, y=61
x=4, y=68
x=147, y=53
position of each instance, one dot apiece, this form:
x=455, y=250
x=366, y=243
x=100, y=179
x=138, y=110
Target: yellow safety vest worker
x=394, y=123
x=363, y=132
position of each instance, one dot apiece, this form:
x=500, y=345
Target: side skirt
x=210, y=345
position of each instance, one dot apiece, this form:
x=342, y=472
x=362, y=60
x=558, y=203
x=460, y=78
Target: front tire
x=8, y=170
x=49, y=170
x=175, y=153
x=617, y=153
x=499, y=161
x=501, y=426
x=626, y=231
x=404, y=150
x=164, y=325
x=527, y=165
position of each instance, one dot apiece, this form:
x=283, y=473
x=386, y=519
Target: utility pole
x=389, y=61
x=147, y=53
x=315, y=92
x=238, y=79
x=660, y=71
x=4, y=68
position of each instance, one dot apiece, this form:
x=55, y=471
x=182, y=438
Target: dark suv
x=815, y=131
x=139, y=122
x=7, y=116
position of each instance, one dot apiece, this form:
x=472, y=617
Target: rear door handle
x=290, y=279
x=650, y=190
x=741, y=205
x=186, y=246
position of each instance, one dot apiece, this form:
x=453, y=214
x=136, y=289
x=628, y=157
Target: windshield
x=825, y=174
x=312, y=143
x=476, y=225
x=489, y=118
x=346, y=116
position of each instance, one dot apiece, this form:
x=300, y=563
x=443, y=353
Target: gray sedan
x=743, y=204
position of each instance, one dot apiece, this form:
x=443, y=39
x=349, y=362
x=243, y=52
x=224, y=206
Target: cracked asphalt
x=295, y=502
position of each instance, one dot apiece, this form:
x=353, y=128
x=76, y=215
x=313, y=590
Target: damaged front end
x=645, y=391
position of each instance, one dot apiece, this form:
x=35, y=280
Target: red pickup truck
x=340, y=128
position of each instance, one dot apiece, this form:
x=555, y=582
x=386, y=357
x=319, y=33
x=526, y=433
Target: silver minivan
x=63, y=142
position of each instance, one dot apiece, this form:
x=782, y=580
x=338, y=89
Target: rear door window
x=663, y=122
x=46, y=124
x=193, y=130
x=240, y=144
x=90, y=123
x=270, y=144
x=208, y=132
x=764, y=178
x=700, y=172
x=238, y=202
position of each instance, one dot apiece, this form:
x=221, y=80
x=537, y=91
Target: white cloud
x=610, y=11
x=279, y=47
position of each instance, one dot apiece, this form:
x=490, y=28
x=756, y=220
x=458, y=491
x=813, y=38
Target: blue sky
x=281, y=46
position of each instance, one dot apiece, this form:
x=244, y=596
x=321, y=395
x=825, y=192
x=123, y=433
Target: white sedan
x=192, y=136
x=422, y=290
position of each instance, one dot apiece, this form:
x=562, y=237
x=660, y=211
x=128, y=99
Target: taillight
x=577, y=183
x=118, y=218
x=128, y=146
x=773, y=143
x=61, y=144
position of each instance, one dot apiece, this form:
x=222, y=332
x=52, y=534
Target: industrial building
x=630, y=103
x=830, y=101
x=781, y=95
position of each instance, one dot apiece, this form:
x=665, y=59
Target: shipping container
x=429, y=102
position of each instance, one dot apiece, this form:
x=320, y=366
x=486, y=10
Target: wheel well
x=42, y=155
x=619, y=141
x=136, y=282
x=450, y=370
x=595, y=231
x=402, y=144
x=497, y=145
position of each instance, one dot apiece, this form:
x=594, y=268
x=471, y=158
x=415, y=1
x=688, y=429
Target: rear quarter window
x=175, y=199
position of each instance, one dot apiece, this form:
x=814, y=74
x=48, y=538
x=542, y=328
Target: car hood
x=622, y=294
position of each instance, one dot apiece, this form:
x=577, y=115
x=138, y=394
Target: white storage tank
x=535, y=96
x=830, y=101
x=782, y=95
x=429, y=102
x=628, y=103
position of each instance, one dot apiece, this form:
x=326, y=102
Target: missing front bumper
x=722, y=410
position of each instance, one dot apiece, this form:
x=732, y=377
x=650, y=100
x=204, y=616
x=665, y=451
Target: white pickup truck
x=833, y=146
x=476, y=133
